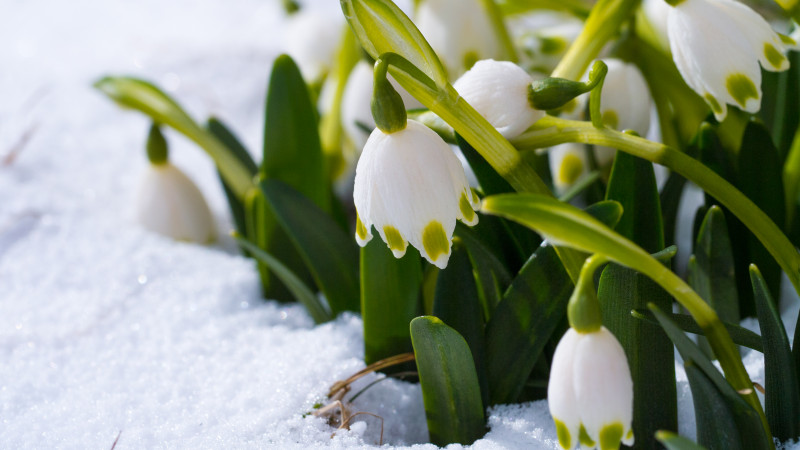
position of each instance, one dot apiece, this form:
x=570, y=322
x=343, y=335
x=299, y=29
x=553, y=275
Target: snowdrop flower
x=498, y=90
x=459, y=31
x=656, y=13
x=590, y=393
x=356, y=100
x=311, y=40
x=168, y=202
x=410, y=185
x=543, y=37
x=717, y=46
x=568, y=162
x=625, y=104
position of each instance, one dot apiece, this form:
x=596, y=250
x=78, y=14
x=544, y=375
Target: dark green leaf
x=620, y=290
x=330, y=254
x=782, y=399
x=457, y=303
x=760, y=179
x=303, y=294
x=674, y=442
x=450, y=388
x=714, y=258
x=492, y=276
x=292, y=149
x=221, y=132
x=748, y=423
x=716, y=424
x=390, y=289
x=523, y=323
x=739, y=335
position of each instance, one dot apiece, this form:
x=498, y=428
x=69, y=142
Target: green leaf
x=390, y=290
x=716, y=281
x=450, y=388
x=673, y=441
x=782, y=399
x=750, y=431
x=292, y=149
x=523, y=323
x=492, y=276
x=716, y=423
x=130, y=92
x=458, y=304
x=650, y=355
x=759, y=178
x=301, y=292
x=740, y=335
x=382, y=27
x=226, y=136
x=330, y=255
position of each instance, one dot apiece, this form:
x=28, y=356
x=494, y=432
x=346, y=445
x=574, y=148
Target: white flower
x=356, y=102
x=568, y=162
x=459, y=31
x=543, y=37
x=717, y=46
x=625, y=104
x=411, y=186
x=590, y=393
x=498, y=90
x=311, y=40
x=656, y=12
x=170, y=204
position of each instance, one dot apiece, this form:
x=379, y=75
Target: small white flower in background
x=356, y=100
x=717, y=46
x=568, y=163
x=410, y=185
x=590, y=393
x=656, y=12
x=312, y=39
x=625, y=104
x=459, y=31
x=170, y=204
x=498, y=90
x=543, y=37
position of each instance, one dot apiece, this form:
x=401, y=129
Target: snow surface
x=107, y=330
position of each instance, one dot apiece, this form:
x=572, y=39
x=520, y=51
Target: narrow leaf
x=739, y=335
x=673, y=441
x=330, y=255
x=292, y=149
x=301, y=292
x=782, y=399
x=458, y=304
x=715, y=266
x=450, y=389
x=715, y=421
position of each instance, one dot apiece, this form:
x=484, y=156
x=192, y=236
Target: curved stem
x=552, y=131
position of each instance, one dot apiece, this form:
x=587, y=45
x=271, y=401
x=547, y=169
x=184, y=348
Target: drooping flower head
x=410, y=185
x=717, y=46
x=498, y=90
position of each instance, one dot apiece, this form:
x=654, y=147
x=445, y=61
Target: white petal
x=568, y=163
x=311, y=40
x=169, y=203
x=603, y=385
x=561, y=397
x=498, y=90
x=626, y=97
x=459, y=31
x=656, y=12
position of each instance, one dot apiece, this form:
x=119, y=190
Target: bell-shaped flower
x=170, y=204
x=542, y=37
x=590, y=393
x=356, y=98
x=410, y=185
x=717, y=46
x=626, y=104
x=568, y=162
x=498, y=90
x=459, y=31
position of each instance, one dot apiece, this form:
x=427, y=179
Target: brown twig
x=335, y=390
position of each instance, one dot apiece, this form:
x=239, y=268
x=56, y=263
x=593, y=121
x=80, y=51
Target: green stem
x=552, y=131
x=604, y=22
x=500, y=30
x=791, y=179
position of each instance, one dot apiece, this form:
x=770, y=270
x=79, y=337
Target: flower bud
x=498, y=90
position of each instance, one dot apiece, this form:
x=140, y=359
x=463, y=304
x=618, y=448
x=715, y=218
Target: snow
x=109, y=331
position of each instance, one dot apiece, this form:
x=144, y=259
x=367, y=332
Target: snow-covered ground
x=107, y=330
